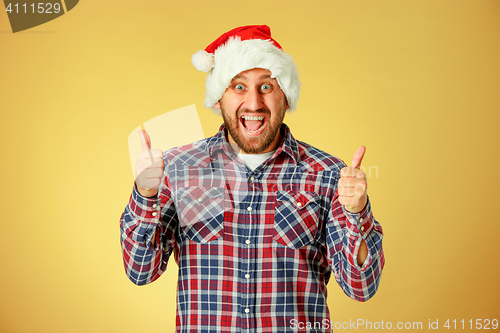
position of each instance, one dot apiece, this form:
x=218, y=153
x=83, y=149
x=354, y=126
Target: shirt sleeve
x=344, y=233
x=148, y=227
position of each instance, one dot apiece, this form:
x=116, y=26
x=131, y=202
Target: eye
x=266, y=87
x=239, y=87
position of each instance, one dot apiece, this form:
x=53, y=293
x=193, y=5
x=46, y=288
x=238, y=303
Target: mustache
x=263, y=110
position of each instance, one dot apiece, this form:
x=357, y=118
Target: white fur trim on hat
x=237, y=56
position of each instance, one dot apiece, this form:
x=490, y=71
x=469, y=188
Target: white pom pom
x=203, y=61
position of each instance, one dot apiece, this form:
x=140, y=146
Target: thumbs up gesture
x=148, y=168
x=352, y=184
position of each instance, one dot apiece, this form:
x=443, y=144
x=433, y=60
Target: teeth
x=252, y=118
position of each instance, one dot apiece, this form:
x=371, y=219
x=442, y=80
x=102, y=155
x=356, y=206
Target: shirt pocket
x=296, y=218
x=201, y=213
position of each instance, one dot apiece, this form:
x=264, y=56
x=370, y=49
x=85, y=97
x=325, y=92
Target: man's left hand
x=352, y=184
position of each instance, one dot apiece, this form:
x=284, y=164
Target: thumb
x=145, y=140
x=358, y=157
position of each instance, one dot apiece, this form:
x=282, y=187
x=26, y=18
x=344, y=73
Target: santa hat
x=242, y=49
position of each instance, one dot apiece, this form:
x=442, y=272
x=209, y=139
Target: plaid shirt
x=255, y=249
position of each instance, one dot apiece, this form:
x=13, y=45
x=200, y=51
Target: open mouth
x=253, y=125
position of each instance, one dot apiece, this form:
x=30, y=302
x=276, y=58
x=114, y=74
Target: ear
x=217, y=106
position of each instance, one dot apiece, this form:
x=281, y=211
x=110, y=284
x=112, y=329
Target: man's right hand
x=148, y=168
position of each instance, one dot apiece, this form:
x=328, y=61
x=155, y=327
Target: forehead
x=254, y=74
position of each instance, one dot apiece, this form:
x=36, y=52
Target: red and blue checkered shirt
x=255, y=249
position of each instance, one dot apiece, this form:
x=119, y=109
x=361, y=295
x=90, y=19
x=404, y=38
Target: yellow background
x=417, y=82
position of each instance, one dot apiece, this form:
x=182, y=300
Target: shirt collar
x=288, y=145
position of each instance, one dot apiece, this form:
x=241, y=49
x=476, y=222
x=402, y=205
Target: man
x=258, y=222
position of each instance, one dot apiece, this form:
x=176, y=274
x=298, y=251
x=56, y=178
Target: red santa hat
x=242, y=49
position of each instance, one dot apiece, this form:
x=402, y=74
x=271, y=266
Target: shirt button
x=247, y=310
x=360, y=220
x=252, y=179
x=154, y=213
x=247, y=276
x=247, y=241
x=155, y=205
x=299, y=204
x=200, y=199
x=249, y=208
x=362, y=228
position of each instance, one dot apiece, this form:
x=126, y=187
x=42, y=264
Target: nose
x=253, y=100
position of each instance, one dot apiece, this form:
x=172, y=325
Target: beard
x=253, y=145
